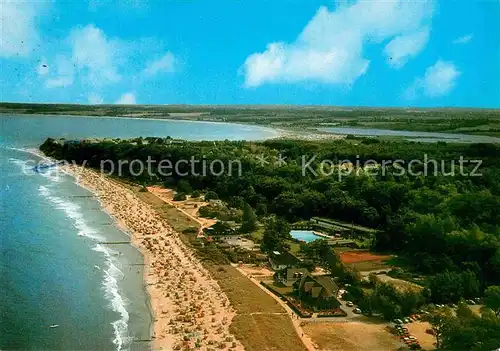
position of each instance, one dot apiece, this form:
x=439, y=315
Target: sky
x=344, y=53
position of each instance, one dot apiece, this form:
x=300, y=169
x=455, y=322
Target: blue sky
x=369, y=53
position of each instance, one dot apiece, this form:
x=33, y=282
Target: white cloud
x=18, y=32
x=64, y=74
x=95, y=55
x=438, y=80
x=92, y=57
x=92, y=60
x=126, y=99
x=403, y=47
x=463, y=40
x=95, y=99
x=330, y=47
x=164, y=64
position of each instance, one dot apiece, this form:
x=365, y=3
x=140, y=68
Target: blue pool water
x=304, y=235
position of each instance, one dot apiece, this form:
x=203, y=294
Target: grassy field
x=369, y=266
x=351, y=336
x=399, y=284
x=176, y=219
x=261, y=323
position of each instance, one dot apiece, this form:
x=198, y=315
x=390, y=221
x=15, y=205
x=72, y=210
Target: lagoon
x=413, y=136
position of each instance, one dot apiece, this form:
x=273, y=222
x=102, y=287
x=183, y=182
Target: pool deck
x=323, y=235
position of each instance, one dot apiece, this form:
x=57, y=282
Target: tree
x=211, y=195
x=249, y=223
x=319, y=251
x=276, y=232
x=179, y=197
x=183, y=186
x=492, y=299
x=221, y=228
x=446, y=287
x=439, y=319
x=372, y=277
x=261, y=209
x=237, y=202
x=470, y=284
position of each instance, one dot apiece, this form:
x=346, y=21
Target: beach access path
x=166, y=195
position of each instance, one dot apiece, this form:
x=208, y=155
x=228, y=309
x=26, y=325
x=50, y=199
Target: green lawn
x=258, y=235
x=294, y=247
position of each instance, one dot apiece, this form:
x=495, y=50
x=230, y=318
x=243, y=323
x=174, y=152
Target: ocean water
x=55, y=267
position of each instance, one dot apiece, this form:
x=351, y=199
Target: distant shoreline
x=278, y=132
x=169, y=119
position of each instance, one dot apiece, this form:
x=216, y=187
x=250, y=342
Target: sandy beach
x=190, y=309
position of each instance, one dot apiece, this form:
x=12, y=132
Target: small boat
x=53, y=326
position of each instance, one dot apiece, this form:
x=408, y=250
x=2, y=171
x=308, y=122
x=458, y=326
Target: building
x=317, y=291
x=279, y=260
x=289, y=276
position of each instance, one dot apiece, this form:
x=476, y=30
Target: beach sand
x=190, y=309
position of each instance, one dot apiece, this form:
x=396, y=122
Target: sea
x=64, y=286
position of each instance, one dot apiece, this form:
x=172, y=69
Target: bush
x=179, y=197
x=211, y=195
x=195, y=194
x=190, y=230
x=184, y=187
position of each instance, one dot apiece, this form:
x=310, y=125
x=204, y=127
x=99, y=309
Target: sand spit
x=190, y=309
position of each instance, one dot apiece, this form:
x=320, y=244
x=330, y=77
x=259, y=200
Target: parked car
x=397, y=321
x=471, y=302
x=357, y=310
x=349, y=304
x=407, y=320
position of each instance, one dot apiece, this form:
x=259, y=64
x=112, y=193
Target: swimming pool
x=304, y=235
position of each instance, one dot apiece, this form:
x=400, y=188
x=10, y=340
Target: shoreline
x=278, y=132
x=166, y=331
x=112, y=293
